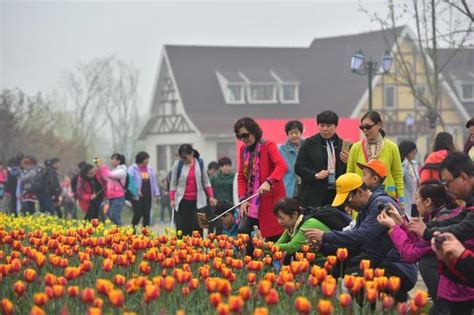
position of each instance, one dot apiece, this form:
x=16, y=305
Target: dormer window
x=262, y=93
x=466, y=91
x=289, y=93
x=288, y=87
x=235, y=93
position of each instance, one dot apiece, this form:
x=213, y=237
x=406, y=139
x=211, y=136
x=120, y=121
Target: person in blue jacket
x=289, y=151
x=368, y=239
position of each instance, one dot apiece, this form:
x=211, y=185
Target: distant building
x=201, y=90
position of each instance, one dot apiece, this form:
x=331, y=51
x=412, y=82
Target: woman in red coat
x=261, y=169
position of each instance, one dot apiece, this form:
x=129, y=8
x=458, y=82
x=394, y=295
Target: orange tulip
x=364, y=264
x=357, y=285
x=251, y=278
x=263, y=287
x=331, y=259
x=222, y=309
x=29, y=275
x=224, y=287
x=169, y=284
x=19, y=287
x=119, y=280
x=394, y=283
x=131, y=286
x=342, y=254
x=71, y=273
x=7, y=307
x=94, y=311
x=144, y=267
x=321, y=274
x=272, y=297
x=116, y=297
x=36, y=310
x=193, y=283
x=73, y=291
x=325, y=307
x=104, y=286
x=388, y=302
x=245, y=293
x=420, y=298
x=40, y=299
x=88, y=295
x=402, y=308
x=261, y=311
x=371, y=295
x=369, y=274
x=152, y=292
x=107, y=264
x=95, y=222
x=215, y=298
x=379, y=272
x=58, y=291
x=289, y=287
x=50, y=279
x=345, y=300
x=302, y=305
x=381, y=282
x=328, y=288
x=236, y=303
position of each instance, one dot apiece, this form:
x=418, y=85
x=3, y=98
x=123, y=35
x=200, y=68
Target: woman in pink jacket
x=116, y=181
x=432, y=202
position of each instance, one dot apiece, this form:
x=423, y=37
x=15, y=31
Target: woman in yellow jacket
x=376, y=146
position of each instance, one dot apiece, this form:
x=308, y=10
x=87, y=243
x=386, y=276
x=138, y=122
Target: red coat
x=272, y=166
x=84, y=191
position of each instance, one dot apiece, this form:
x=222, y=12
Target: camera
x=384, y=206
x=439, y=240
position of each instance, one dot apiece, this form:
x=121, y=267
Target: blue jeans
x=46, y=203
x=115, y=210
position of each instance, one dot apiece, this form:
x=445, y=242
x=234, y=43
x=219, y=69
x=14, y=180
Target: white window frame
x=296, y=100
x=418, y=105
x=267, y=101
x=394, y=96
x=228, y=93
x=460, y=90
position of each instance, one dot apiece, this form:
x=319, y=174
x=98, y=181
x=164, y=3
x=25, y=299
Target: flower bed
x=53, y=266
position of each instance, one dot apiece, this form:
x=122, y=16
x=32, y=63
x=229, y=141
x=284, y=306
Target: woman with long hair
x=411, y=176
x=189, y=189
x=261, y=170
x=442, y=146
x=90, y=191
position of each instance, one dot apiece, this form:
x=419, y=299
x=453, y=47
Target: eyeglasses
x=242, y=136
x=446, y=183
x=366, y=127
x=349, y=198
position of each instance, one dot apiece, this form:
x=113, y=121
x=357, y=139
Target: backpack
x=38, y=182
x=131, y=188
x=333, y=218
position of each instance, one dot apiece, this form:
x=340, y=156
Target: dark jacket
x=461, y=270
x=370, y=237
x=52, y=187
x=312, y=158
x=461, y=225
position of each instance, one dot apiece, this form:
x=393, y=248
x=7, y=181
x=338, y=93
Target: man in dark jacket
x=320, y=161
x=368, y=239
x=50, y=190
x=457, y=173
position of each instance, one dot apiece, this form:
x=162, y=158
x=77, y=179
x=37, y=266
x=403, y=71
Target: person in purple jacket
x=433, y=204
x=145, y=178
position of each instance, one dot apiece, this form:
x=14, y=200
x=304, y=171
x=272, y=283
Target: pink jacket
x=3, y=175
x=412, y=248
x=116, y=180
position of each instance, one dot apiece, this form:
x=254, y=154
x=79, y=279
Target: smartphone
x=439, y=240
x=303, y=229
x=408, y=218
x=255, y=228
x=346, y=145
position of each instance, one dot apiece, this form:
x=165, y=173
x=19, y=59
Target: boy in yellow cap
x=368, y=239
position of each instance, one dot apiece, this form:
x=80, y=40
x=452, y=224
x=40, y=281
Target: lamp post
x=360, y=66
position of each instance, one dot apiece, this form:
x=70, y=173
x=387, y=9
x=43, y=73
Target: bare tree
x=463, y=7
x=85, y=90
x=121, y=107
x=435, y=25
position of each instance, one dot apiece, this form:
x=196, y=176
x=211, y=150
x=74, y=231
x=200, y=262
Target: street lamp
x=369, y=67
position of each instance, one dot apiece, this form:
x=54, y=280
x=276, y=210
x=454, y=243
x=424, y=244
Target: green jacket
x=223, y=186
x=390, y=156
x=293, y=245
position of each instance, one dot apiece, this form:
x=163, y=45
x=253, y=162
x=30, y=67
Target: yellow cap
x=344, y=185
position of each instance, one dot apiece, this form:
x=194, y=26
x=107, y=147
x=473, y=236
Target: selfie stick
x=233, y=207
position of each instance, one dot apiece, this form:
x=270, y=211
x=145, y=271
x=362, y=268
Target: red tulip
x=342, y=254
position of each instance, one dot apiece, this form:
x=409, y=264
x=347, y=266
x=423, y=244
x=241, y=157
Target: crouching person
x=290, y=217
x=368, y=239
x=230, y=220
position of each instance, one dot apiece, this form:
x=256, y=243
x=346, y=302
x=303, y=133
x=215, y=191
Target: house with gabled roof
x=201, y=91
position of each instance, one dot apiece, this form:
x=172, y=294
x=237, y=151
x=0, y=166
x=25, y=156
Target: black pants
x=428, y=266
x=246, y=227
x=352, y=267
x=27, y=207
x=94, y=209
x=461, y=308
x=141, y=208
x=164, y=207
x=186, y=217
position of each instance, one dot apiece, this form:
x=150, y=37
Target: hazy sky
x=41, y=40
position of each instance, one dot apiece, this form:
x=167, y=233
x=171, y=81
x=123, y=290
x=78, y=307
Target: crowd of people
x=371, y=197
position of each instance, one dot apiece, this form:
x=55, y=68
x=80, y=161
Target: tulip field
x=53, y=266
